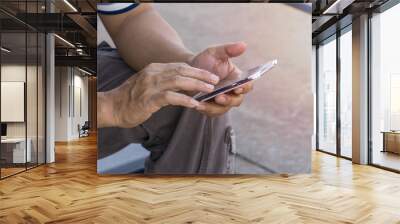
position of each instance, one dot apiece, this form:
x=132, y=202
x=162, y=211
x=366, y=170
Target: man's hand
x=217, y=61
x=156, y=86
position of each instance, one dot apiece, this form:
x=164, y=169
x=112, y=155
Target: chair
x=84, y=130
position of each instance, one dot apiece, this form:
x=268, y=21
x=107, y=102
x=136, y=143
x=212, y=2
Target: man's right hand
x=154, y=87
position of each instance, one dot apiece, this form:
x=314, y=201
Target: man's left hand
x=217, y=61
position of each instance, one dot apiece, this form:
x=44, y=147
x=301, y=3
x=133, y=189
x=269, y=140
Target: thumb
x=228, y=50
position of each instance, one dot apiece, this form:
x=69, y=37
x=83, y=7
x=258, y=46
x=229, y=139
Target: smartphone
x=234, y=82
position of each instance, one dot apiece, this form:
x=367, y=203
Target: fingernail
x=214, y=78
x=209, y=86
x=240, y=90
x=194, y=102
x=222, y=99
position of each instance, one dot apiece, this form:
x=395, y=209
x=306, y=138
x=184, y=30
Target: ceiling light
x=65, y=41
x=337, y=7
x=86, y=72
x=5, y=50
x=79, y=51
x=326, y=11
x=70, y=5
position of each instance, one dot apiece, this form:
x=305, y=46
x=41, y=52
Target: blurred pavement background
x=275, y=123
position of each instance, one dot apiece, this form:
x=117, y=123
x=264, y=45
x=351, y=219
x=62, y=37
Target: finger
x=248, y=87
x=238, y=90
x=228, y=50
x=200, y=74
x=177, y=99
x=229, y=100
x=236, y=100
x=244, y=88
x=211, y=109
x=223, y=99
x=178, y=83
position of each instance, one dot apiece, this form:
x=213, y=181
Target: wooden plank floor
x=70, y=191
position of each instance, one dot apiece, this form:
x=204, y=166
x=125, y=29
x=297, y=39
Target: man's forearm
x=145, y=38
x=105, y=113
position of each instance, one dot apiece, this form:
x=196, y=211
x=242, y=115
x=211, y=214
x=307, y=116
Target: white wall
x=70, y=83
x=79, y=117
x=12, y=101
x=16, y=73
x=61, y=103
x=33, y=126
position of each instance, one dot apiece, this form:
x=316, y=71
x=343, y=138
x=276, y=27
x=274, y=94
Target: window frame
x=334, y=37
x=381, y=9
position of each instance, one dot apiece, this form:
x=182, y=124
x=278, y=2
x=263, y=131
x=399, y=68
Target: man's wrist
x=188, y=58
x=106, y=116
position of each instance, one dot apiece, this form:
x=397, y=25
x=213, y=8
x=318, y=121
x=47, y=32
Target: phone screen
x=234, y=81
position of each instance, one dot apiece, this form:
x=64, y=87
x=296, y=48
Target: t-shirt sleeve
x=115, y=8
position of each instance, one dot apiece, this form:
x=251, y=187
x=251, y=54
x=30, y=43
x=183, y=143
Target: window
x=327, y=96
x=346, y=93
x=395, y=101
x=334, y=138
x=22, y=88
x=385, y=89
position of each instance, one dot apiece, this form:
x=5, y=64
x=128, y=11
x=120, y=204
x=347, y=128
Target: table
x=13, y=150
x=391, y=141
